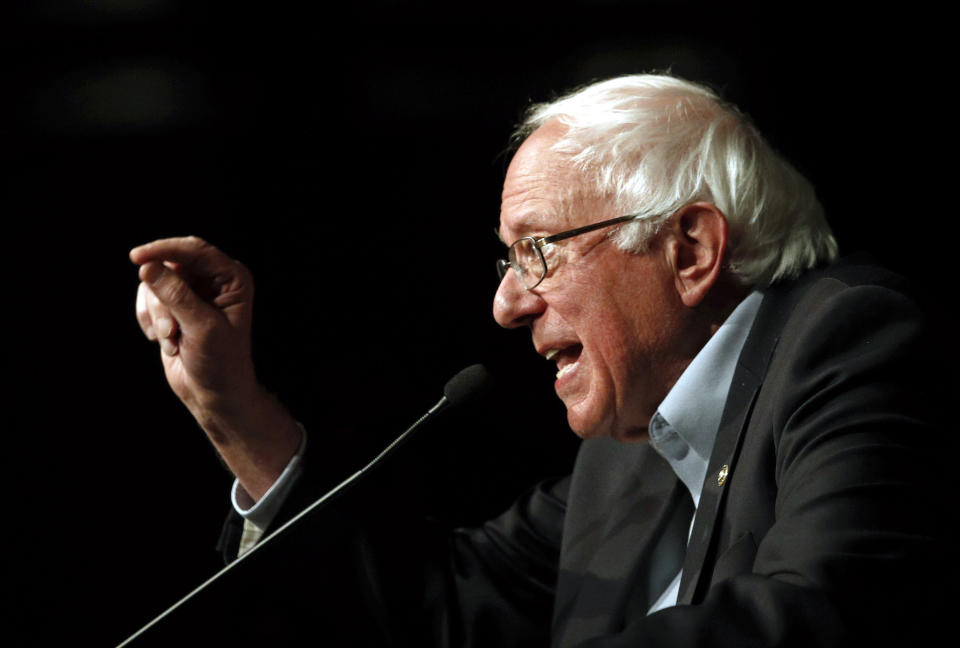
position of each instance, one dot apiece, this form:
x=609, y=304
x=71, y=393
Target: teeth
x=549, y=355
x=566, y=369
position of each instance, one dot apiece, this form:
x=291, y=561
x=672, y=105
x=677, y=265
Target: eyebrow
x=531, y=222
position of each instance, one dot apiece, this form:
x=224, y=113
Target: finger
x=143, y=312
x=191, y=252
x=164, y=324
x=176, y=295
x=169, y=347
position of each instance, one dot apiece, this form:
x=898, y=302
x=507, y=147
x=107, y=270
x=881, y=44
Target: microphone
x=467, y=385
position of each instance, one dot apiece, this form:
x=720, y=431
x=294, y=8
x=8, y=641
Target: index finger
x=189, y=251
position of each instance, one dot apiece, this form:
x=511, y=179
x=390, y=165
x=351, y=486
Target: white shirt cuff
x=261, y=513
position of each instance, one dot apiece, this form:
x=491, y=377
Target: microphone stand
x=458, y=389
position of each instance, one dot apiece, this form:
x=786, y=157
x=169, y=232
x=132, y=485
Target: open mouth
x=565, y=358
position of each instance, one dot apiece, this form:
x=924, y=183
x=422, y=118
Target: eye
x=552, y=254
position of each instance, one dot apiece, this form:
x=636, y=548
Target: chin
x=586, y=429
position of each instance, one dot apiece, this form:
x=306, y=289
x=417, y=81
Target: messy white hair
x=653, y=143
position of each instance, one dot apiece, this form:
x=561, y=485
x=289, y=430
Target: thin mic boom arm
x=464, y=386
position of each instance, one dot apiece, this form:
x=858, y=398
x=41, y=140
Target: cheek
x=613, y=347
x=627, y=327
x=632, y=343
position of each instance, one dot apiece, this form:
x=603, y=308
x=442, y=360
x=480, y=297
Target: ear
x=696, y=250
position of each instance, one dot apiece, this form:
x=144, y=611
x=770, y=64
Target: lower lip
x=567, y=376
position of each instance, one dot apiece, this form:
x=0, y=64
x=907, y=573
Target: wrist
x=229, y=416
x=255, y=436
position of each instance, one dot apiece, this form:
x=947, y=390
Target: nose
x=514, y=305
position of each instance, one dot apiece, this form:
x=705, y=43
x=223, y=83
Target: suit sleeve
x=375, y=570
x=856, y=554
x=494, y=586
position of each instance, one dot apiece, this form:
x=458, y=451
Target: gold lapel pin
x=722, y=475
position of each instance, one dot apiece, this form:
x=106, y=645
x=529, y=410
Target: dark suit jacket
x=826, y=531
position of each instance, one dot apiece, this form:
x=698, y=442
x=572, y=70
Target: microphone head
x=467, y=385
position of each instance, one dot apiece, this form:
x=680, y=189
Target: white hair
x=653, y=143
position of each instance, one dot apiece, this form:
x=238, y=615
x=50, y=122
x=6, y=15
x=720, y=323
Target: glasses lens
x=527, y=262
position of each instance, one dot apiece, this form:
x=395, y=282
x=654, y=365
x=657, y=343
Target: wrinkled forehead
x=543, y=193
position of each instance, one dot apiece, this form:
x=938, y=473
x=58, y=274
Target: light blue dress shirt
x=685, y=426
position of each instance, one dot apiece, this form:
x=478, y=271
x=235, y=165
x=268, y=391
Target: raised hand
x=198, y=303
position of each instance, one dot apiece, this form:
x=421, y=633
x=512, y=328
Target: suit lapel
x=723, y=460
x=747, y=379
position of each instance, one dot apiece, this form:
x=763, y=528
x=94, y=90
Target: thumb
x=175, y=293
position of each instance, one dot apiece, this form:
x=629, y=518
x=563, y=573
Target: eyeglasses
x=526, y=258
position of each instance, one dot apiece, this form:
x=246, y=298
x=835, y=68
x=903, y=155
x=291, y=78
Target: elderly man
x=756, y=463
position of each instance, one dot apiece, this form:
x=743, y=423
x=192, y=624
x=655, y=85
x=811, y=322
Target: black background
x=352, y=157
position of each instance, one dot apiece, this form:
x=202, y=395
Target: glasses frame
x=504, y=264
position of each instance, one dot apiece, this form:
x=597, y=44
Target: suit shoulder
x=847, y=280
x=854, y=271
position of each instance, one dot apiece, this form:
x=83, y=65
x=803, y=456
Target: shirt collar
x=694, y=405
